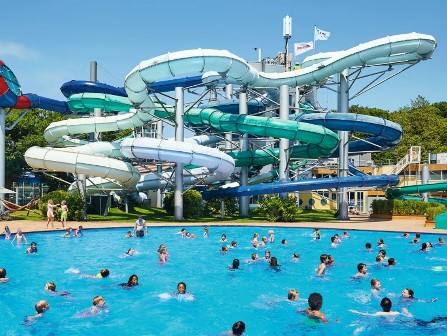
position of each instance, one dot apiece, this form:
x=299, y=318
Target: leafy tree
x=442, y=108
x=419, y=102
x=192, y=203
x=27, y=133
x=213, y=207
x=277, y=209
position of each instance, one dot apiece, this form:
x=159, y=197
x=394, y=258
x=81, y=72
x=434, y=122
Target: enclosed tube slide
x=416, y=189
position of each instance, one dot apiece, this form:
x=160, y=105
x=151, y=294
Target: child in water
x=3, y=277
x=271, y=236
x=78, y=232
x=19, y=238
x=315, y=301
x=132, y=282
x=362, y=271
x=205, y=232
x=293, y=295
x=234, y=265
x=41, y=307
x=67, y=233
x=162, y=254
x=32, y=248
x=50, y=287
x=7, y=233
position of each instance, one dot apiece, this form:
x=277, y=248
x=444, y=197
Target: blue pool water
x=254, y=294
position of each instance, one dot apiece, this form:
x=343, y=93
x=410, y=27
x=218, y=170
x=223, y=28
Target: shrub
x=277, y=209
x=407, y=208
x=192, y=203
x=74, y=202
x=213, y=207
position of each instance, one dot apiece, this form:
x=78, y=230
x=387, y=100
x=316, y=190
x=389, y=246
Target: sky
x=47, y=43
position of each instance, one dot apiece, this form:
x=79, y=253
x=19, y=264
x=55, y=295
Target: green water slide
x=416, y=189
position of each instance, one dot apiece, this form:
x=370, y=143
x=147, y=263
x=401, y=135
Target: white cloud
x=17, y=50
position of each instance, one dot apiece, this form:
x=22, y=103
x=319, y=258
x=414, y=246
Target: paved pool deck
x=356, y=223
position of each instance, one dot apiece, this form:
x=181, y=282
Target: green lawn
x=160, y=215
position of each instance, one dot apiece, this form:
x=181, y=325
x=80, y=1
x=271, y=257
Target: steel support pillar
x=343, y=107
x=243, y=200
x=178, y=194
x=425, y=178
x=2, y=153
x=228, y=135
x=283, y=143
x=158, y=200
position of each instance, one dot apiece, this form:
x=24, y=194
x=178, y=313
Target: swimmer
x=271, y=236
x=376, y=286
x=345, y=235
x=330, y=260
x=32, y=248
x=293, y=295
x=181, y=293
x=284, y=242
x=223, y=238
x=104, y=273
x=132, y=282
x=50, y=287
x=98, y=305
x=181, y=288
x=19, y=237
x=386, y=305
x=380, y=243
x=295, y=257
x=362, y=271
x=237, y=329
x=391, y=262
x=380, y=258
x=205, y=232
x=315, y=301
x=130, y=252
x=416, y=239
x=3, y=277
x=334, y=242
x=78, y=232
x=67, y=233
x=233, y=244
x=322, y=267
x=425, y=247
x=382, y=253
x=224, y=249
x=182, y=232
x=254, y=239
x=406, y=235
x=41, y=307
x=264, y=241
x=274, y=264
x=337, y=238
x=7, y=233
x=441, y=241
x=368, y=247
x=163, y=254
x=408, y=295
x=234, y=265
x=254, y=257
x=267, y=255
x=316, y=235
x=190, y=235
x=140, y=228
x=128, y=234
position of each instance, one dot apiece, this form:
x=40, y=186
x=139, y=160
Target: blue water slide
x=47, y=103
x=302, y=185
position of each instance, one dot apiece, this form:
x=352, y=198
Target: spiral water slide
x=312, y=131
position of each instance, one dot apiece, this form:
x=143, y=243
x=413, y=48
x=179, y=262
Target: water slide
x=315, y=137
x=416, y=189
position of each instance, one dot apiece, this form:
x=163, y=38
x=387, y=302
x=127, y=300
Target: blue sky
x=49, y=42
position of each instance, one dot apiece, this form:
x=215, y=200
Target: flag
x=302, y=47
x=321, y=34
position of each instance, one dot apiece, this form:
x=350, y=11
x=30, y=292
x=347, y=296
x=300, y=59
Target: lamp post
x=287, y=34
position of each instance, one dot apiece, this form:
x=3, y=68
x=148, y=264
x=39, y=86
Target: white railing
x=413, y=156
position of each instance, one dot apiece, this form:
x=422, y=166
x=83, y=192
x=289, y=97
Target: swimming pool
x=254, y=294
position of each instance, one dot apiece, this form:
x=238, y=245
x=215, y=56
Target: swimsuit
x=64, y=213
x=50, y=213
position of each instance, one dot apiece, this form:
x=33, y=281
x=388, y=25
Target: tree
x=27, y=133
x=419, y=102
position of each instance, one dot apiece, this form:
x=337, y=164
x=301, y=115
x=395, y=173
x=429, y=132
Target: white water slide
x=104, y=160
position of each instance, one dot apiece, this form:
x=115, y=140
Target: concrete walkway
x=356, y=223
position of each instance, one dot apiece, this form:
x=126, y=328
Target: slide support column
x=283, y=143
x=243, y=200
x=343, y=107
x=178, y=194
x=159, y=167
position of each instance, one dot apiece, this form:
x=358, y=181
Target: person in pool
x=380, y=243
x=441, y=241
x=254, y=257
x=3, y=277
x=98, y=305
x=234, y=265
x=162, y=254
x=391, y=262
x=68, y=233
x=224, y=249
x=425, y=247
x=295, y=257
x=19, y=237
x=271, y=236
x=274, y=264
x=362, y=271
x=7, y=233
x=233, y=244
x=41, y=307
x=132, y=282
x=376, y=286
x=267, y=255
x=237, y=329
x=368, y=247
x=78, y=232
x=50, y=287
x=315, y=302
x=334, y=242
x=316, y=235
x=345, y=235
x=104, y=273
x=140, y=227
x=130, y=252
x=128, y=234
x=254, y=240
x=182, y=293
x=223, y=238
x=293, y=295
x=205, y=232
x=322, y=267
x=32, y=248
x=386, y=306
x=284, y=242
x=406, y=235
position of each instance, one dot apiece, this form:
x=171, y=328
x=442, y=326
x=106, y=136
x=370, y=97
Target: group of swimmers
x=315, y=300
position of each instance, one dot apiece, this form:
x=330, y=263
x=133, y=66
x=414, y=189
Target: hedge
x=277, y=209
x=407, y=208
x=193, y=204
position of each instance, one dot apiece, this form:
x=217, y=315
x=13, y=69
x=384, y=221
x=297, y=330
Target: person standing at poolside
x=64, y=213
x=50, y=212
